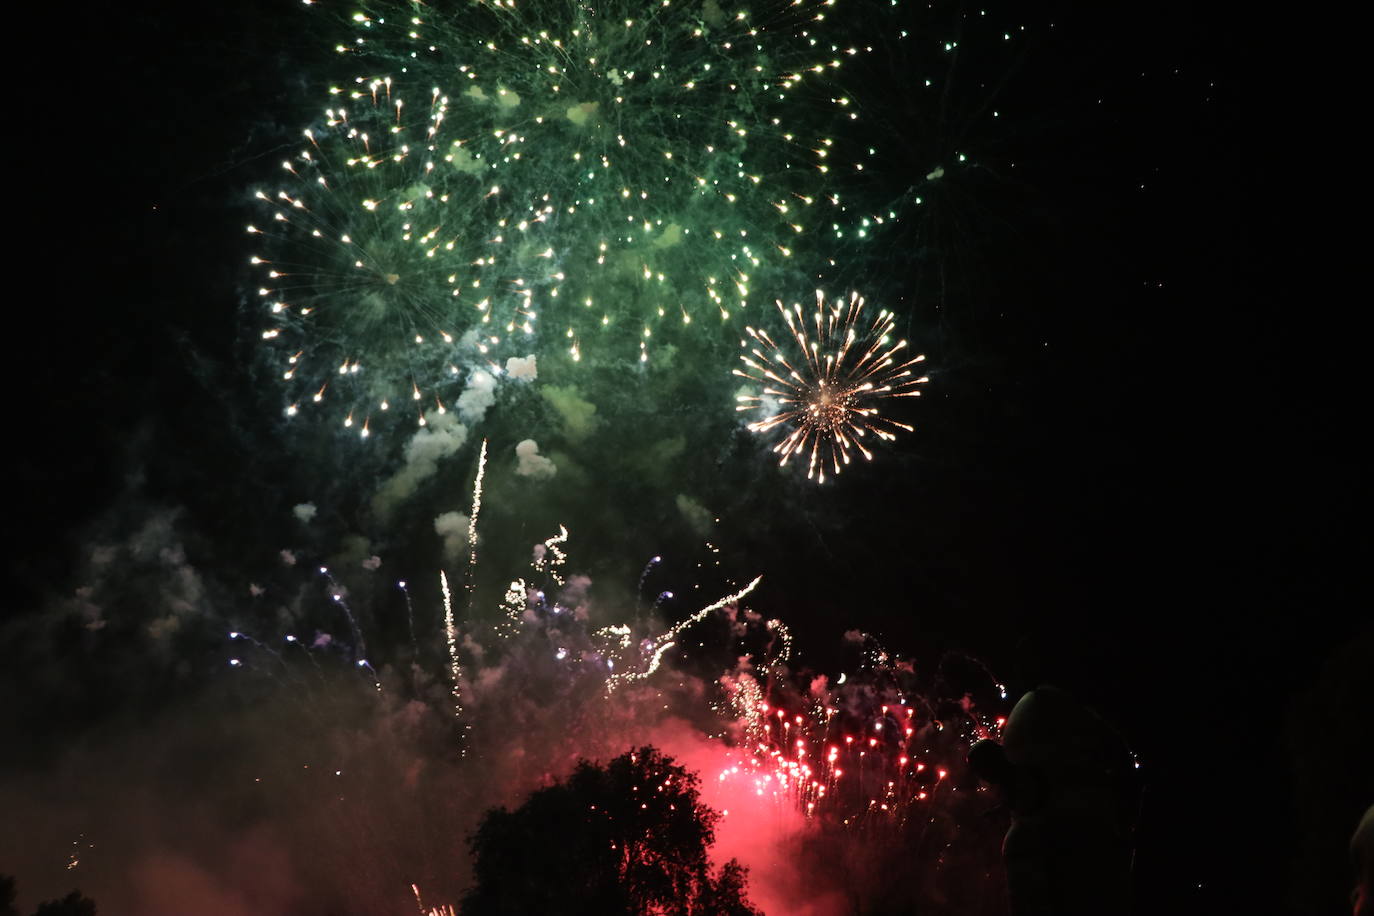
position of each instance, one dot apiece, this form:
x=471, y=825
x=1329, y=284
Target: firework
x=867, y=751
x=868, y=779
x=868, y=769
x=451, y=639
x=599, y=177
x=337, y=594
x=472, y=523
x=827, y=392
x=870, y=749
x=659, y=646
x=521, y=595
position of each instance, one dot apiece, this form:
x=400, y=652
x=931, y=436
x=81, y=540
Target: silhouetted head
x=990, y=764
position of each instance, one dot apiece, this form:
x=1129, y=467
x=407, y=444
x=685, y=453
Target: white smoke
x=695, y=514
x=531, y=463
x=479, y=394
x=523, y=368
x=438, y=439
x=453, y=528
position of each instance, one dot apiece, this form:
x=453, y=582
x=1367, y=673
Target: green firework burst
x=585, y=181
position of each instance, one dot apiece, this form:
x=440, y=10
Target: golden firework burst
x=828, y=393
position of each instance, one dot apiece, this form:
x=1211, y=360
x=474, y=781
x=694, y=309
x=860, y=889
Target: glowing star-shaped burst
x=827, y=393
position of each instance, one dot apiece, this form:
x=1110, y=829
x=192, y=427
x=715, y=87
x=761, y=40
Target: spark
x=553, y=556
x=666, y=641
x=828, y=391
x=656, y=165
x=441, y=910
x=450, y=628
x=364, y=663
x=337, y=595
x=410, y=617
x=451, y=636
x=476, y=510
x=861, y=753
x=783, y=633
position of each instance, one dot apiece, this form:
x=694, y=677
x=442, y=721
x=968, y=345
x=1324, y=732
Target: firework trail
x=336, y=594
x=856, y=771
x=451, y=637
x=639, y=587
x=667, y=640
x=410, y=618
x=472, y=516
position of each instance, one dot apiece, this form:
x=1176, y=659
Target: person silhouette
x=1069, y=781
x=1362, y=853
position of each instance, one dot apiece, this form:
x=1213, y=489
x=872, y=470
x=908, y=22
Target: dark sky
x=1137, y=477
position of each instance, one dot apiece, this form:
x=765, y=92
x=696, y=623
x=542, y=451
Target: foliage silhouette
x=71, y=905
x=630, y=837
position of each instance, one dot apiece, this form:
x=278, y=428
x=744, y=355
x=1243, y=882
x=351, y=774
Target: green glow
x=443, y=194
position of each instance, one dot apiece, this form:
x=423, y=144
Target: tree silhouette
x=630, y=838
x=74, y=904
x=71, y=905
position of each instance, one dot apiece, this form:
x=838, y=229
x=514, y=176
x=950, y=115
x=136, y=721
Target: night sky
x=1134, y=471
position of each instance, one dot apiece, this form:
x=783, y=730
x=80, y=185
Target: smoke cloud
x=479, y=395
x=532, y=464
x=337, y=791
x=441, y=437
x=524, y=369
x=453, y=528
